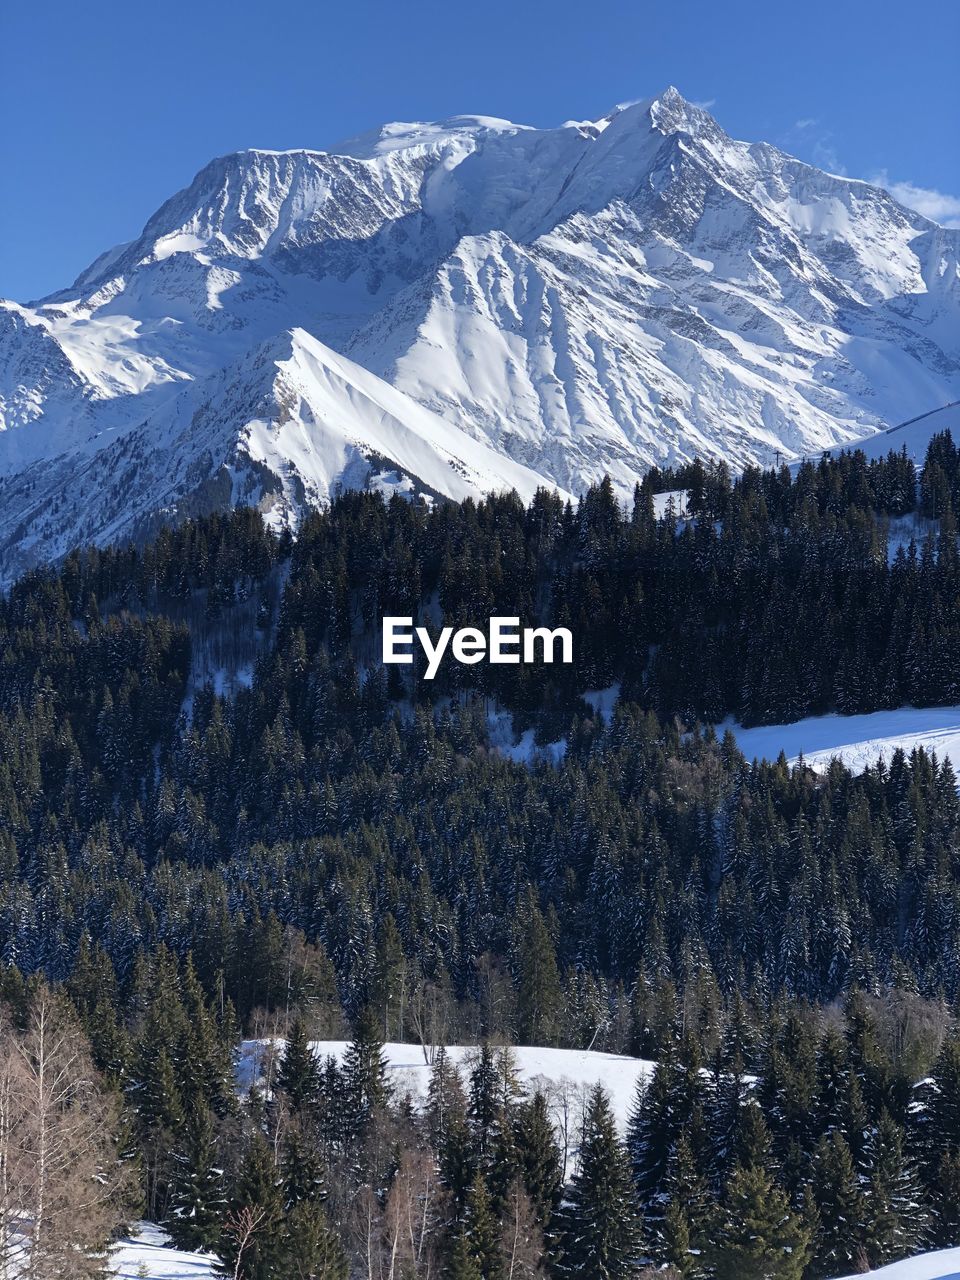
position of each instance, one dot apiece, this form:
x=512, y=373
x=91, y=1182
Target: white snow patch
x=944, y=1264
x=536, y=1066
x=148, y=1250
x=858, y=741
x=672, y=502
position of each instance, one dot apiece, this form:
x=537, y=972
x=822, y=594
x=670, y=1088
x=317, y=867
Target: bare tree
x=521, y=1240
x=430, y=1014
x=241, y=1227
x=63, y=1186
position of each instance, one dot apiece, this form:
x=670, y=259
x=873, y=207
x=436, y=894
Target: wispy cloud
x=809, y=139
x=706, y=103
x=933, y=204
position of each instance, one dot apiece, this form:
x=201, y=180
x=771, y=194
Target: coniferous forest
x=223, y=820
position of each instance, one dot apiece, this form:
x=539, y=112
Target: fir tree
x=839, y=1246
x=756, y=1235
x=538, y=1158
x=896, y=1216
x=198, y=1196
x=309, y=1248
x=259, y=1194
x=600, y=1229
x=298, y=1074
x=482, y=1230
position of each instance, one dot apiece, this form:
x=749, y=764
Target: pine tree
x=198, y=1198
x=461, y=1264
x=684, y=1226
x=309, y=1248
x=600, y=1230
x=840, y=1205
x=483, y=1108
x=896, y=1216
x=539, y=991
x=756, y=1235
x=538, y=1157
x=298, y=1074
x=445, y=1098
x=304, y=1174
x=944, y=1194
x=482, y=1230
x=258, y=1198
x=365, y=1082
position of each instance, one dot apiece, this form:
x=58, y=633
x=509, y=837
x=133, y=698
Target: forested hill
x=306, y=837
x=369, y=812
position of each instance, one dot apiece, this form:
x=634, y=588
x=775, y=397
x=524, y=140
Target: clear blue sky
x=108, y=107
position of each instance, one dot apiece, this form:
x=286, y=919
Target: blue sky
x=107, y=108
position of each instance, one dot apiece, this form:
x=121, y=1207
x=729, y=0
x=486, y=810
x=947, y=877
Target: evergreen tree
x=482, y=1230
x=600, y=1229
x=896, y=1216
x=365, y=1082
x=756, y=1235
x=683, y=1229
x=539, y=991
x=538, y=1157
x=298, y=1074
x=258, y=1193
x=840, y=1242
x=309, y=1249
x=198, y=1196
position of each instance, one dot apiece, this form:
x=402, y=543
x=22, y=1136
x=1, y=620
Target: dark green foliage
x=198, y=1189
x=600, y=1228
x=756, y=1235
x=538, y=1158
x=298, y=1074
x=840, y=1245
x=309, y=1249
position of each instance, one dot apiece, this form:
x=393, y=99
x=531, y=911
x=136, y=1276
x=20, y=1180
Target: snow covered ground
x=574, y=1071
x=858, y=741
x=147, y=1254
x=944, y=1264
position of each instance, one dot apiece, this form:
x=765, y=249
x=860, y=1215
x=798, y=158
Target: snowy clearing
x=858, y=741
x=941, y=1265
x=148, y=1253
x=578, y=1068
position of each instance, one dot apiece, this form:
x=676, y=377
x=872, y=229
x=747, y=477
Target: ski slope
x=858, y=741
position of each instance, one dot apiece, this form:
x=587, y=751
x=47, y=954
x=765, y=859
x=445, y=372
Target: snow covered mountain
x=469, y=305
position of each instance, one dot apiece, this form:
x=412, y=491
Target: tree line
x=345, y=848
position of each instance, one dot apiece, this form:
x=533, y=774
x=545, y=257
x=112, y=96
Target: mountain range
x=468, y=305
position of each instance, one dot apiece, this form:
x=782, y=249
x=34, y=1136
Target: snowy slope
x=410, y=1074
x=943, y=1264
x=279, y=429
x=915, y=434
x=148, y=1253
x=581, y=300
x=858, y=741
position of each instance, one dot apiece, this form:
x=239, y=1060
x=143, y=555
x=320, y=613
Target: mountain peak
x=671, y=112
x=448, y=302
